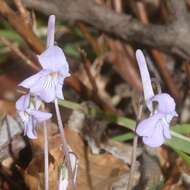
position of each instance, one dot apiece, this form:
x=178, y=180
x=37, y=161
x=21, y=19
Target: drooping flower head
x=28, y=111
x=155, y=129
x=47, y=84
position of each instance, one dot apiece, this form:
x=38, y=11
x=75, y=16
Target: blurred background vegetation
x=99, y=38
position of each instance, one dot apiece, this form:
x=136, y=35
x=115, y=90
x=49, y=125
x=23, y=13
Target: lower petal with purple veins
x=48, y=94
x=33, y=80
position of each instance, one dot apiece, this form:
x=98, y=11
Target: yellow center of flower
x=53, y=74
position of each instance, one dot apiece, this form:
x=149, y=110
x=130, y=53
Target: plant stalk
x=46, y=159
x=134, y=153
x=64, y=144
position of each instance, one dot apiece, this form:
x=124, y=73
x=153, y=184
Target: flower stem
x=133, y=159
x=132, y=169
x=50, y=42
x=46, y=159
x=64, y=143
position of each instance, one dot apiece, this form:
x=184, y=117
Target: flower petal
x=166, y=103
x=146, y=81
x=53, y=59
x=23, y=102
x=147, y=126
x=30, y=129
x=157, y=138
x=40, y=116
x=59, y=92
x=45, y=88
x=48, y=94
x=166, y=128
x=33, y=80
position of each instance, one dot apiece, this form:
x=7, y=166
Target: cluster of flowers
x=155, y=129
x=45, y=86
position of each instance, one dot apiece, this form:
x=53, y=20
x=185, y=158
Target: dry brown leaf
x=7, y=107
x=94, y=172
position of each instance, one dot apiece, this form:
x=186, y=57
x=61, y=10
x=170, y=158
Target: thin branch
x=165, y=37
x=17, y=22
x=88, y=71
x=178, y=9
x=91, y=39
x=18, y=53
x=170, y=83
x=23, y=11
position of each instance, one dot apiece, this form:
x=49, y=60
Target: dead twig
x=23, y=11
x=18, y=53
x=17, y=22
x=90, y=38
x=170, y=83
x=169, y=38
x=88, y=71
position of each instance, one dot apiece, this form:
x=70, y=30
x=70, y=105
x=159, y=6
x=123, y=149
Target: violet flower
x=47, y=84
x=155, y=129
x=29, y=114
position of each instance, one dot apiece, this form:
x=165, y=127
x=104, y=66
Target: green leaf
x=179, y=144
x=184, y=156
x=182, y=128
x=124, y=137
x=10, y=35
x=72, y=50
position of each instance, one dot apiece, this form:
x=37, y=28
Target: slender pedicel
x=134, y=153
x=50, y=40
x=64, y=143
x=46, y=158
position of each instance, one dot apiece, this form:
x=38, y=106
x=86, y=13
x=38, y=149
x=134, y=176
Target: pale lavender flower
x=155, y=129
x=29, y=114
x=47, y=84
